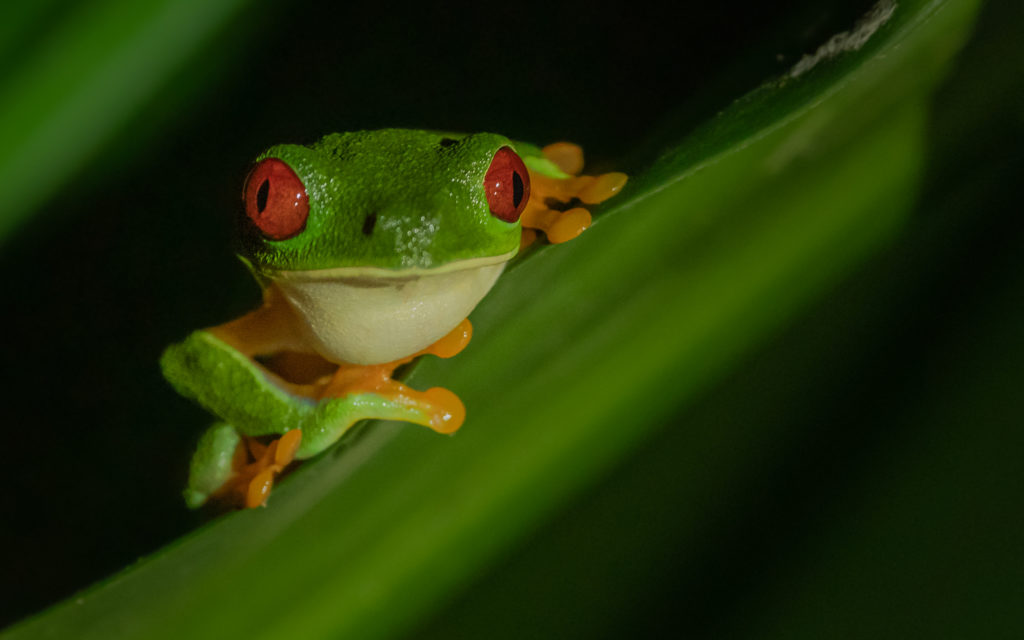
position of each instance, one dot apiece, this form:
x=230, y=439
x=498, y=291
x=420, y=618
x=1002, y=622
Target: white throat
x=366, y=315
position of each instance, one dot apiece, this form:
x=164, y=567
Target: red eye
x=508, y=185
x=275, y=200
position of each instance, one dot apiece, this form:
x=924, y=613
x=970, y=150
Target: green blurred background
x=858, y=474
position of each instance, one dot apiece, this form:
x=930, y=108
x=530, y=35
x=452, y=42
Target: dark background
x=895, y=489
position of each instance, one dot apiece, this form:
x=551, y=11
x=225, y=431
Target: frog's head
x=391, y=199
x=383, y=240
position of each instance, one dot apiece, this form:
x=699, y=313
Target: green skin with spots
x=425, y=190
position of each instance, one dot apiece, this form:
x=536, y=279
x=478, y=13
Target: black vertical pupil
x=262, y=195
x=517, y=189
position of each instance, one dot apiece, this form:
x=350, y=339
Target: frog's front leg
x=370, y=392
x=230, y=461
x=355, y=393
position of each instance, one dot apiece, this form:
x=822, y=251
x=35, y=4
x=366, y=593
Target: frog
x=371, y=249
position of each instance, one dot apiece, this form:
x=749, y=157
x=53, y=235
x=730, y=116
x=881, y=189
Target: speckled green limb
x=238, y=391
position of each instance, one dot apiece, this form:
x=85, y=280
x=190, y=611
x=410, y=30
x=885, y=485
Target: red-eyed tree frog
x=371, y=248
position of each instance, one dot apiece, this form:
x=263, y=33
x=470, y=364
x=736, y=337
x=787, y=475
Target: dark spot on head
x=262, y=195
x=447, y=142
x=369, y=223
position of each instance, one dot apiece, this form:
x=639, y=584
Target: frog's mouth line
x=368, y=277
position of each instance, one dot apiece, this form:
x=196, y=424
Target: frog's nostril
x=369, y=223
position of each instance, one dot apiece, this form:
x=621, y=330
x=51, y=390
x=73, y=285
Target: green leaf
x=580, y=355
x=100, y=63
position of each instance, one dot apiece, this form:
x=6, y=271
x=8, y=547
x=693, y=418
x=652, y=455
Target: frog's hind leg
x=236, y=468
x=212, y=464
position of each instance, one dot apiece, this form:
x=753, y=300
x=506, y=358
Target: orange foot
x=561, y=223
x=255, y=467
x=438, y=408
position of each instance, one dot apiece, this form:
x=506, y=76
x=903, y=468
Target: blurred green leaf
x=580, y=353
x=94, y=67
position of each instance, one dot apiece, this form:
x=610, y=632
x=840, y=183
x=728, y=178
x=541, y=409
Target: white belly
x=371, y=316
